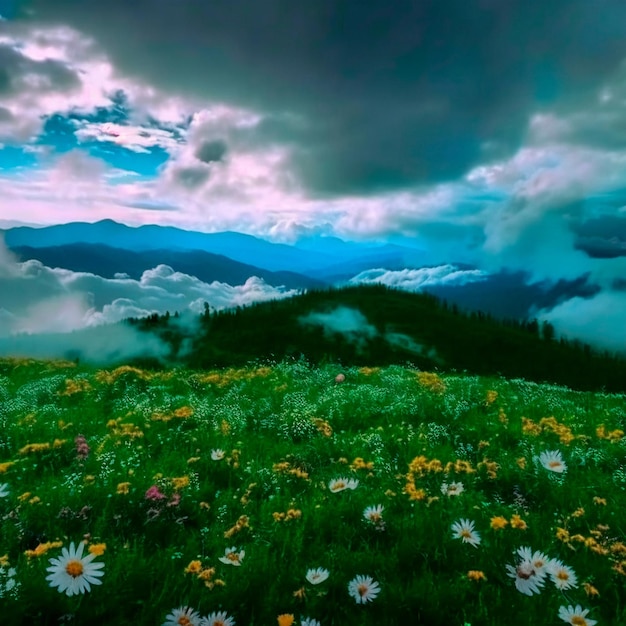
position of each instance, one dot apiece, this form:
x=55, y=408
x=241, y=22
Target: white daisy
x=339, y=484
x=220, y=618
x=374, y=514
x=452, y=489
x=309, y=621
x=576, y=616
x=4, y=490
x=541, y=563
x=553, y=461
x=72, y=573
x=363, y=589
x=217, y=455
x=527, y=581
x=562, y=576
x=232, y=557
x=183, y=616
x=317, y=576
x=464, y=529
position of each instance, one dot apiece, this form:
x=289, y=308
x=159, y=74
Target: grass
x=288, y=430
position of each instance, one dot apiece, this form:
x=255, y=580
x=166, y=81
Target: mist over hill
x=360, y=325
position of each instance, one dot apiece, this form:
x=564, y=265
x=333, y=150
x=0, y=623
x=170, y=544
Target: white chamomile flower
x=363, y=589
x=464, y=529
x=72, y=573
x=562, y=576
x=541, y=563
x=452, y=489
x=527, y=580
x=183, y=616
x=553, y=461
x=232, y=557
x=576, y=616
x=220, y=618
x=339, y=484
x=374, y=514
x=317, y=575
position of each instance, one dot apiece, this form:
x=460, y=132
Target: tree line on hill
x=396, y=327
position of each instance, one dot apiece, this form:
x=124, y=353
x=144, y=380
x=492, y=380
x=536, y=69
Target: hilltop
x=377, y=325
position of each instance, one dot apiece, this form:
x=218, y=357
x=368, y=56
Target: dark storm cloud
x=385, y=94
x=211, y=151
x=18, y=73
x=192, y=177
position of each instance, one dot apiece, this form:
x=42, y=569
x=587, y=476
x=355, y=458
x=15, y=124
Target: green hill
x=376, y=325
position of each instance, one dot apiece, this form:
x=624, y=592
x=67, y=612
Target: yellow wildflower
x=34, y=447
x=521, y=462
x=518, y=522
x=579, y=512
x=498, y=522
x=476, y=575
x=42, y=548
x=287, y=619
x=180, y=483
x=123, y=488
x=4, y=561
x=323, y=427
x=590, y=590
x=97, y=548
x=360, y=463
x=300, y=594
x=599, y=501
x=183, y=412
x=529, y=427
x=431, y=381
x=6, y=466
x=492, y=396
x=194, y=567
x=562, y=535
x=24, y=496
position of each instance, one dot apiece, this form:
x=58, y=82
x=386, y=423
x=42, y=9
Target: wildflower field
x=289, y=494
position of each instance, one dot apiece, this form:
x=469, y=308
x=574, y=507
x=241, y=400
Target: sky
x=487, y=132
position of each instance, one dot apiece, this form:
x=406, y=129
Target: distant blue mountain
x=106, y=261
x=322, y=258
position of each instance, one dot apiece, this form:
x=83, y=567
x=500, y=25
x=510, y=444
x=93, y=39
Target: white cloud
x=39, y=299
x=416, y=279
x=598, y=320
x=135, y=138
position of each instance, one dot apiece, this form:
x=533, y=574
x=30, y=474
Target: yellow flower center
x=554, y=464
x=74, y=568
x=524, y=573
x=183, y=620
x=579, y=621
x=562, y=575
x=218, y=622
x=339, y=485
x=233, y=556
x=466, y=533
x=362, y=589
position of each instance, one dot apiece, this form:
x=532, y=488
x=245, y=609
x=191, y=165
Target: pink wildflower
x=82, y=447
x=154, y=494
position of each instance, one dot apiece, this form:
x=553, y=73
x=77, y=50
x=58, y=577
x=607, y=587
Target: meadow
x=286, y=493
